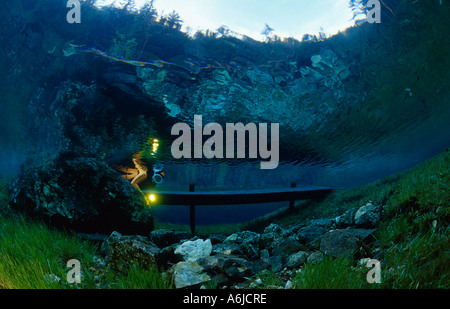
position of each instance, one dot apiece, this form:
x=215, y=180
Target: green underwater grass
x=34, y=256
x=414, y=232
x=139, y=278
x=332, y=273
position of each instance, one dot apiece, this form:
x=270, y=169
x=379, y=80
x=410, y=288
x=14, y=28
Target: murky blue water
x=352, y=108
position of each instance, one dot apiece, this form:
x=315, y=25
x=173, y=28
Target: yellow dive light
x=152, y=198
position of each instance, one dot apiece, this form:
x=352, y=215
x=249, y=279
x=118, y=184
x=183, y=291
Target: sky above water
x=288, y=18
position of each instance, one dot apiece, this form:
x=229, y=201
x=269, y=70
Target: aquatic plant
x=3, y=195
x=415, y=229
x=141, y=278
x=35, y=257
x=266, y=280
x=332, y=273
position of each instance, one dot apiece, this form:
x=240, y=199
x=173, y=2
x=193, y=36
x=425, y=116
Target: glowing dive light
x=152, y=197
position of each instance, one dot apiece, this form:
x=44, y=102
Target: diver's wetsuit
x=137, y=175
x=142, y=171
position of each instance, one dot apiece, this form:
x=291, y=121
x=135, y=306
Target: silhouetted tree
x=224, y=31
x=130, y=5
x=322, y=35
x=148, y=11
x=211, y=34
x=174, y=20
x=358, y=7
x=199, y=35
x=307, y=37
x=267, y=32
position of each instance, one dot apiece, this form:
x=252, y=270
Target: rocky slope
x=229, y=261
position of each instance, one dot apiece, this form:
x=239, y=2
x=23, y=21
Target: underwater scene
x=225, y=145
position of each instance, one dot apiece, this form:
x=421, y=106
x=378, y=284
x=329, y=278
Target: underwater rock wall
x=83, y=120
x=254, y=95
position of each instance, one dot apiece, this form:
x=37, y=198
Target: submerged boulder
x=296, y=260
x=248, y=243
x=193, y=250
x=82, y=194
x=339, y=243
x=287, y=246
x=346, y=219
x=310, y=233
x=344, y=242
x=233, y=267
x=272, y=236
x=187, y=274
x=122, y=251
x=368, y=215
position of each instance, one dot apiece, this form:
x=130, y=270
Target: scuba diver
x=139, y=174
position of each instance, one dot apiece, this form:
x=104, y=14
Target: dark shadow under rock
x=165, y=237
